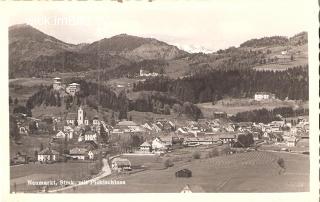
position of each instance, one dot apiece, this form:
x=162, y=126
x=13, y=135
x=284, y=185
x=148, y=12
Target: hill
x=134, y=48
x=34, y=53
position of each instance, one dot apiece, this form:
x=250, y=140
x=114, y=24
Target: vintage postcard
x=161, y=97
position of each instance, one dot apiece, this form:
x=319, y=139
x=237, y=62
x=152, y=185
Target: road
x=105, y=171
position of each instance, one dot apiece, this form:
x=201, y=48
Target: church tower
x=80, y=116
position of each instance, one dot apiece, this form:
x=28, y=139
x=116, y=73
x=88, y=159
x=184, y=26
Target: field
x=233, y=106
x=23, y=88
x=29, y=145
x=60, y=171
x=242, y=172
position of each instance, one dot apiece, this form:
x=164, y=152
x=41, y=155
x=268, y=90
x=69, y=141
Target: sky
x=207, y=25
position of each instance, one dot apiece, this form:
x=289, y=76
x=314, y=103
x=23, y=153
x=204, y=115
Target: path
x=105, y=171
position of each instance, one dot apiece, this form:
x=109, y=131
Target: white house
x=291, y=142
x=145, y=147
x=159, y=144
x=78, y=153
x=48, y=155
x=120, y=164
x=90, y=136
x=258, y=96
x=60, y=135
x=91, y=155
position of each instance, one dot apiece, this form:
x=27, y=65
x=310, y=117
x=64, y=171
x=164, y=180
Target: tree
x=10, y=100
x=166, y=109
x=282, y=165
x=41, y=146
x=213, y=153
x=14, y=131
x=196, y=155
x=168, y=163
x=16, y=101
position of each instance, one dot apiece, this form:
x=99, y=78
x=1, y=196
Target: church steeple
x=80, y=116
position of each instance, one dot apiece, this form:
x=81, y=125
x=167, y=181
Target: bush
x=168, y=163
x=196, y=155
x=281, y=163
x=213, y=153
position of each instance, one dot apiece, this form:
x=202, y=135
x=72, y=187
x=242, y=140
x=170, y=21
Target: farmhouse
x=48, y=155
x=120, y=164
x=162, y=143
x=90, y=136
x=227, y=138
x=258, y=96
x=78, y=153
x=145, y=147
x=291, y=142
x=219, y=115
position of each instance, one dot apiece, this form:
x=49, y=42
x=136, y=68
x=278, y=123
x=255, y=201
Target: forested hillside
x=213, y=85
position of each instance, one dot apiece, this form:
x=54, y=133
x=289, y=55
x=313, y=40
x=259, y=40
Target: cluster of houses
x=85, y=132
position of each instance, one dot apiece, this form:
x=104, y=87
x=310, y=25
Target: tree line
x=267, y=116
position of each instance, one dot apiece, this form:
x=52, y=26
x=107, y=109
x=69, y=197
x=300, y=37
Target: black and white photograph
x=159, y=97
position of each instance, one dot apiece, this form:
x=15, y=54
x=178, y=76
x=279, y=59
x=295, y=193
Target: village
x=85, y=137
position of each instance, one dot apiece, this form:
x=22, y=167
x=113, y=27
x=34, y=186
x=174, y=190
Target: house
x=71, y=118
x=91, y=155
x=193, y=141
x=158, y=144
x=147, y=126
x=258, y=96
x=73, y=88
x=291, y=142
x=156, y=128
x=228, y=138
x=90, y=136
x=120, y=164
x=68, y=130
x=57, y=83
x=219, y=115
x=78, y=153
x=145, y=147
x=20, y=158
x=192, y=189
x=48, y=155
x=60, y=135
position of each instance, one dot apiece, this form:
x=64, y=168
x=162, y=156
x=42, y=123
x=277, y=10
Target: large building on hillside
x=73, y=88
x=57, y=83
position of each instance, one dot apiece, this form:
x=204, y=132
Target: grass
x=233, y=106
x=19, y=175
x=245, y=172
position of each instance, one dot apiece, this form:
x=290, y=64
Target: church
x=82, y=118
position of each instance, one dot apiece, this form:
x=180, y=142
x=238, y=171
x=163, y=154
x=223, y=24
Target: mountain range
x=34, y=53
